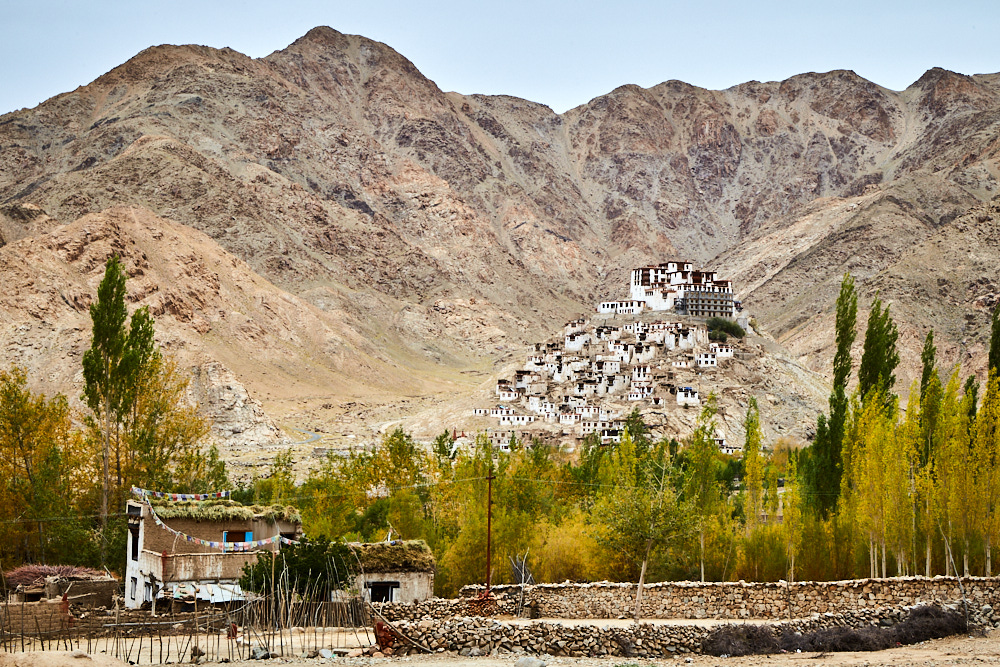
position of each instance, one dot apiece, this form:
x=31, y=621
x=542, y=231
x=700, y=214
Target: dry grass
x=400, y=556
x=34, y=575
x=224, y=510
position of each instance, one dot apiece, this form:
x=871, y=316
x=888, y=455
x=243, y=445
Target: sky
x=559, y=53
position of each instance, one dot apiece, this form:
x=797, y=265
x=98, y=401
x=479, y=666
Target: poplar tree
x=118, y=367
x=753, y=467
x=987, y=455
x=702, y=485
x=880, y=357
x=928, y=360
x=102, y=365
x=994, y=358
x=823, y=466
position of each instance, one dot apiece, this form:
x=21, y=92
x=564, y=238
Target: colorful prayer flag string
x=225, y=546
x=145, y=493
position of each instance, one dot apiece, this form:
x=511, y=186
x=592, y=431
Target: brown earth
x=403, y=240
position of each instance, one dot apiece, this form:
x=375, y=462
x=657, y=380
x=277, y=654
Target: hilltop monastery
x=644, y=351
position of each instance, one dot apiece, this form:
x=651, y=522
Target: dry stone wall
x=485, y=636
x=742, y=600
x=722, y=600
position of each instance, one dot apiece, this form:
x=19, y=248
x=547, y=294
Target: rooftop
x=223, y=510
x=395, y=556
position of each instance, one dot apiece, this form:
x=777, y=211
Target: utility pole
x=489, y=524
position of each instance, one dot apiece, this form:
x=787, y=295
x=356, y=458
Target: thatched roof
x=34, y=575
x=396, y=556
x=224, y=510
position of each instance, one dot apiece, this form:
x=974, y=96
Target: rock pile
x=736, y=600
x=475, y=636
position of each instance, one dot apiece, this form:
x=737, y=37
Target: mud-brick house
x=397, y=571
x=163, y=563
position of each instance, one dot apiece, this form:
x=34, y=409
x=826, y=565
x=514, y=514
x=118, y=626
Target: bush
x=724, y=325
x=735, y=640
x=311, y=567
x=921, y=624
x=718, y=336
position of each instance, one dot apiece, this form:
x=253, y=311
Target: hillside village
x=650, y=351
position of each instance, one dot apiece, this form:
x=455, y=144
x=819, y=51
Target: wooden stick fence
x=288, y=624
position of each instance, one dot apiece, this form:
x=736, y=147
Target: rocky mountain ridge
x=440, y=230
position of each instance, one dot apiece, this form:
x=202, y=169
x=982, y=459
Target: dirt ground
x=959, y=650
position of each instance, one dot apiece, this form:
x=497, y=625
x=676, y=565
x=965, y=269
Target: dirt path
x=959, y=650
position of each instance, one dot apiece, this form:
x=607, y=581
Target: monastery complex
x=648, y=351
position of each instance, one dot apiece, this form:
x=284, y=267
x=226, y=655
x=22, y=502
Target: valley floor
x=958, y=650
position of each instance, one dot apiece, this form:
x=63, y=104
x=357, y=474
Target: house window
x=148, y=592
x=382, y=591
x=135, y=583
x=237, y=536
x=134, y=531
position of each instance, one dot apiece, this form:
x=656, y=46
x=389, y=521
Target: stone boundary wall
x=484, y=636
x=694, y=600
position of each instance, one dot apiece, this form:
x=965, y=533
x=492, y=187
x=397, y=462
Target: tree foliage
x=823, y=466
x=877, y=372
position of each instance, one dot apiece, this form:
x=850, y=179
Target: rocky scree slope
x=450, y=225
x=214, y=315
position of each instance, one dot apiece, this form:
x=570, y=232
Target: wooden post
x=489, y=523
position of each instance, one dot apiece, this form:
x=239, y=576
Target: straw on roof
x=224, y=510
x=34, y=575
x=397, y=556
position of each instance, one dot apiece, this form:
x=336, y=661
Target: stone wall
x=694, y=600
x=484, y=636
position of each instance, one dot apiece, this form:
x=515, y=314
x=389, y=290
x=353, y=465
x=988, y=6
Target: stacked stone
x=474, y=636
x=483, y=636
x=738, y=600
x=440, y=608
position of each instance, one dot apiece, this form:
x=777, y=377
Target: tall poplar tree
x=994, y=358
x=823, y=466
x=753, y=467
x=928, y=358
x=116, y=369
x=879, y=359
x=703, y=489
x=102, y=364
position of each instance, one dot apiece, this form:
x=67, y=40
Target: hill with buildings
x=441, y=233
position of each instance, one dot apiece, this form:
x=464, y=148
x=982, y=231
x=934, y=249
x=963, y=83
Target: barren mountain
x=428, y=229
x=214, y=315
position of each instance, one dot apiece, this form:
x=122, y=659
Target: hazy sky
x=558, y=53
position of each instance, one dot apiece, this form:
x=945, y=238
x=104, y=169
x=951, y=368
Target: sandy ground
x=961, y=650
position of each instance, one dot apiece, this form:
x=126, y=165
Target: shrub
x=311, y=567
x=718, y=336
x=738, y=640
x=921, y=624
x=727, y=326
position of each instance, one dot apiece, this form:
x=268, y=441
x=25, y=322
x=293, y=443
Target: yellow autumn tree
x=37, y=459
x=987, y=454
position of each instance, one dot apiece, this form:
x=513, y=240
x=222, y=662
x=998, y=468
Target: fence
x=263, y=627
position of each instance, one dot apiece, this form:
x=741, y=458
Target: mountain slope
x=455, y=224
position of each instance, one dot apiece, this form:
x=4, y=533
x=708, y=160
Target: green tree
x=824, y=466
x=121, y=363
x=703, y=490
x=928, y=360
x=102, y=365
x=994, y=356
x=639, y=514
x=37, y=450
x=753, y=467
x=879, y=358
